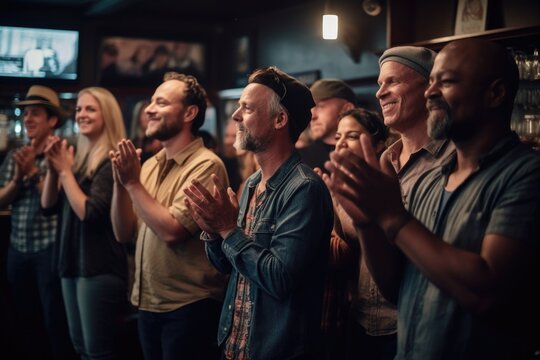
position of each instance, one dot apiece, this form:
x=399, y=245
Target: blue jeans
x=37, y=303
x=189, y=332
x=94, y=306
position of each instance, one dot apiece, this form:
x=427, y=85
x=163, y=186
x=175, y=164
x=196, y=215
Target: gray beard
x=439, y=125
x=249, y=143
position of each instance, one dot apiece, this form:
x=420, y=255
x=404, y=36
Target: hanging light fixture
x=329, y=22
x=330, y=26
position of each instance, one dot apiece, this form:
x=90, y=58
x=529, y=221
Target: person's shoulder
x=205, y=154
x=396, y=146
x=304, y=176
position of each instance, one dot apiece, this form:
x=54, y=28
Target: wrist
x=227, y=232
x=131, y=185
x=63, y=173
x=392, y=226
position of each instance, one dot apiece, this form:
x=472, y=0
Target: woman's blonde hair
x=88, y=158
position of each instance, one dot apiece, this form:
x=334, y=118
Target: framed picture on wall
x=243, y=59
x=143, y=62
x=471, y=16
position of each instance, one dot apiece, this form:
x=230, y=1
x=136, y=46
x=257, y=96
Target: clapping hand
x=60, y=155
x=126, y=163
x=215, y=214
x=24, y=163
x=361, y=187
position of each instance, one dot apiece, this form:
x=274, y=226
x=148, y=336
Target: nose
x=149, y=109
x=236, y=115
x=341, y=143
x=313, y=114
x=381, y=92
x=432, y=90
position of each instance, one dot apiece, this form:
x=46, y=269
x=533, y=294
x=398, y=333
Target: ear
x=346, y=107
x=496, y=94
x=191, y=113
x=281, y=120
x=53, y=120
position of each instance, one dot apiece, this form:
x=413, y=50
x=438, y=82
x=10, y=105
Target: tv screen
x=38, y=53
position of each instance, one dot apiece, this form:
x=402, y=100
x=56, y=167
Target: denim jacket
x=284, y=260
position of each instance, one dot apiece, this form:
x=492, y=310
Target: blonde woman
x=91, y=263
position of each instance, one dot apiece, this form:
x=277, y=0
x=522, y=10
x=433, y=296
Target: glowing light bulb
x=330, y=27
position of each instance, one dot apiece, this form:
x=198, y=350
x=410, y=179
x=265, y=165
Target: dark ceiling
x=212, y=11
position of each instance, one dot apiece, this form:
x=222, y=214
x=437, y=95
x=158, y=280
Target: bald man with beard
x=468, y=241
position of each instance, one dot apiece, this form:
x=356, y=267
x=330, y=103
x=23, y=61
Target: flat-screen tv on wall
x=38, y=53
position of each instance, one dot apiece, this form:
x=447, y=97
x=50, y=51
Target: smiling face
x=89, y=117
x=37, y=122
x=457, y=94
x=348, y=135
x=167, y=110
x=401, y=95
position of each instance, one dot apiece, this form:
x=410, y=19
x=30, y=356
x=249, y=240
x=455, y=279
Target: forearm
x=156, y=216
x=261, y=265
x=75, y=196
x=464, y=275
x=123, y=218
x=49, y=195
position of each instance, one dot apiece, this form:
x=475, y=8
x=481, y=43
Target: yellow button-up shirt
x=169, y=276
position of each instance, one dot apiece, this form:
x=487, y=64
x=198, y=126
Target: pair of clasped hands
x=366, y=188
x=60, y=155
x=24, y=159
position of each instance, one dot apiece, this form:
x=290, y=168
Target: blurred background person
x=229, y=157
x=332, y=97
x=92, y=264
x=305, y=139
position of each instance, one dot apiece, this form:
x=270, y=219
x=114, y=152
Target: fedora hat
x=42, y=95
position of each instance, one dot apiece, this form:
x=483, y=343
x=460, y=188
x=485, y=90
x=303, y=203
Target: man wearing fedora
x=29, y=261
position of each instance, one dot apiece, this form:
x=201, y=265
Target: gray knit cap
x=417, y=58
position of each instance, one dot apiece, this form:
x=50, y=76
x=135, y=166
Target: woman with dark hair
x=351, y=297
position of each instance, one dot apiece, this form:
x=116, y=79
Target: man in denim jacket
x=275, y=244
